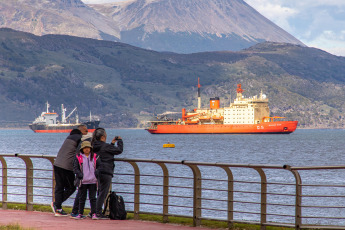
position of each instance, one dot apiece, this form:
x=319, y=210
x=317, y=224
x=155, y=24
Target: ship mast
x=199, y=98
x=239, y=92
x=63, y=114
x=47, y=107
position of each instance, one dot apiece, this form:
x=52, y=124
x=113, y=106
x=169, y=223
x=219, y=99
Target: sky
x=317, y=23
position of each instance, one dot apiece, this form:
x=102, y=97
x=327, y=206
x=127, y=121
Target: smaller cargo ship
x=47, y=122
x=243, y=116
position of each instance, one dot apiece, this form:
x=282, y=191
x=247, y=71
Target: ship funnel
x=214, y=103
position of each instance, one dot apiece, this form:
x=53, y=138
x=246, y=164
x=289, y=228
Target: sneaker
x=53, y=207
x=99, y=217
x=60, y=212
x=80, y=217
x=89, y=215
x=73, y=215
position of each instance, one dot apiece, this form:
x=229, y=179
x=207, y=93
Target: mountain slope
x=126, y=85
x=182, y=26
x=187, y=26
x=71, y=17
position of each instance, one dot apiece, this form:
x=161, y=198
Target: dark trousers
x=104, y=182
x=82, y=193
x=75, y=208
x=64, y=187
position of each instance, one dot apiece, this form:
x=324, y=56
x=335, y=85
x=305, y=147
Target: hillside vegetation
x=126, y=85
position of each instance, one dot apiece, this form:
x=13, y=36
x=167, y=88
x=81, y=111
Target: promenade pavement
x=44, y=220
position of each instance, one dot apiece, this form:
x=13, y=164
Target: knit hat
x=85, y=144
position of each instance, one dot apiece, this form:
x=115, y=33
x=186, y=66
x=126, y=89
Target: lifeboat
x=217, y=117
x=192, y=121
x=205, y=118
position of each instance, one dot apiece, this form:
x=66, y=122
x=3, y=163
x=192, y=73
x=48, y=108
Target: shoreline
x=131, y=128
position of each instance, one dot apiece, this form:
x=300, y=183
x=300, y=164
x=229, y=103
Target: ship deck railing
x=265, y=195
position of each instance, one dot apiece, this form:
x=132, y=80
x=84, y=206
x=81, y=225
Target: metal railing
x=267, y=195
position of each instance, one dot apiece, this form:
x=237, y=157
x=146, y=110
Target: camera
x=117, y=138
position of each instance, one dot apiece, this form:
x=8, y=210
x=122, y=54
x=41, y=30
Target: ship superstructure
x=47, y=122
x=243, y=115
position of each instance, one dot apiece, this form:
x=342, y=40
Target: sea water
x=301, y=148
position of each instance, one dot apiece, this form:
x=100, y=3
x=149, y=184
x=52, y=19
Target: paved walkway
x=44, y=220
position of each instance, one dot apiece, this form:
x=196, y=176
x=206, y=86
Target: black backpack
x=116, y=204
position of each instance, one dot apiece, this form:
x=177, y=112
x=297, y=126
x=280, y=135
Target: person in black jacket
x=63, y=170
x=105, y=170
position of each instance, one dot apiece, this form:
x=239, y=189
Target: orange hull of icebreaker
x=275, y=127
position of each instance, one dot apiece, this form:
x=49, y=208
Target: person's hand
x=80, y=175
x=116, y=138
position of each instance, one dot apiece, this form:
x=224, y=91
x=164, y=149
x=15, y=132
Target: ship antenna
x=230, y=98
x=199, y=98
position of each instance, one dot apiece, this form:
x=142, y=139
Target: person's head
x=86, y=147
x=99, y=135
x=75, y=131
x=83, y=129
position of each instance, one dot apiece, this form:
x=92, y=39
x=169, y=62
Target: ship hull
x=276, y=127
x=62, y=128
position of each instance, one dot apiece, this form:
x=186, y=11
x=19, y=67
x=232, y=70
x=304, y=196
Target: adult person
x=105, y=170
x=63, y=169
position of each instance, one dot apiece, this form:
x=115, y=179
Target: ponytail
x=97, y=134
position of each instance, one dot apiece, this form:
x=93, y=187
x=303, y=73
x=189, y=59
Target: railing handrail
x=197, y=187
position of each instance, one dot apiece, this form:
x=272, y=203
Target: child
x=84, y=167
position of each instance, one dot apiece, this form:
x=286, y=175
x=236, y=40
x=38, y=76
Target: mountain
x=182, y=26
x=188, y=26
x=70, y=17
x=125, y=85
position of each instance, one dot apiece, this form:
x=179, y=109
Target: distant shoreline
x=24, y=128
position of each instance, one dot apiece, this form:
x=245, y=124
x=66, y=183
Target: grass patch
x=14, y=227
x=145, y=217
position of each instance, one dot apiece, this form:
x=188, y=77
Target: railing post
x=4, y=182
x=196, y=195
x=29, y=182
x=165, y=192
x=51, y=159
x=230, y=197
x=136, y=190
x=298, y=205
x=263, y=212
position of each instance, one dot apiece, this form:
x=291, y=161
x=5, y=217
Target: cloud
x=316, y=23
x=274, y=11
x=330, y=41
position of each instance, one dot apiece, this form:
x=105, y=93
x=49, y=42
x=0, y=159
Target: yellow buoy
x=169, y=145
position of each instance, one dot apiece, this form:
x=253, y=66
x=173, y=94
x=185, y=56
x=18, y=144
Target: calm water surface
x=301, y=148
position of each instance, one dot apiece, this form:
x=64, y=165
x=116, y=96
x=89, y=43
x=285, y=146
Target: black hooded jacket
x=106, y=153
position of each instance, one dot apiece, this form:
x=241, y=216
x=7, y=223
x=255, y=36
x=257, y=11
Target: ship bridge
x=246, y=110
